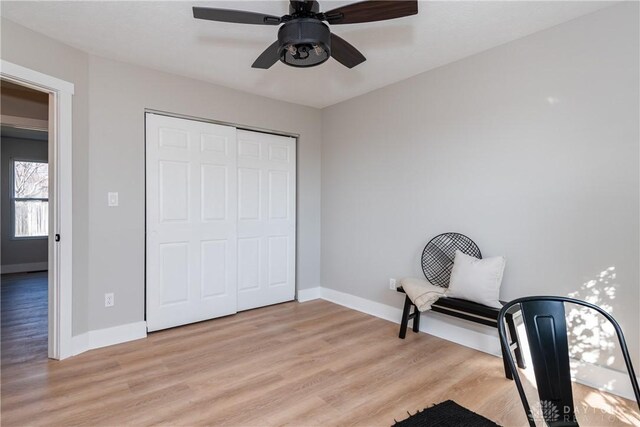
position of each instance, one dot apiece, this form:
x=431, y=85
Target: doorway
x=24, y=216
x=37, y=213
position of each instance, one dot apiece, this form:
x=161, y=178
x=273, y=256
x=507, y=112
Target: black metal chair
x=545, y=322
x=437, y=262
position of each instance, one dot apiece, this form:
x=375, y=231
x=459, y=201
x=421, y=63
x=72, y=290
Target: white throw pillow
x=477, y=280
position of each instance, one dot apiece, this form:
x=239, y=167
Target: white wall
x=119, y=94
x=108, y=155
x=530, y=148
x=33, y=50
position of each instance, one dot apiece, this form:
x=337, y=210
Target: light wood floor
x=308, y=364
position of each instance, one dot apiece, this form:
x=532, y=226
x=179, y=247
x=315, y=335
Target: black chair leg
x=514, y=338
x=507, y=370
x=416, y=319
x=405, y=317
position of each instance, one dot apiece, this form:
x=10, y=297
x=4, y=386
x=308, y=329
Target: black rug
x=446, y=414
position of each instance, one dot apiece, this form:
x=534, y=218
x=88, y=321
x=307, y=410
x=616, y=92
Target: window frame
x=13, y=199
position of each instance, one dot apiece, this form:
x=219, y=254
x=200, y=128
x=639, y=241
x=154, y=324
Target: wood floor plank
x=292, y=364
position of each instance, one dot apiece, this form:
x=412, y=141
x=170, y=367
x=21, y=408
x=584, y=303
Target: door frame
x=296, y=136
x=60, y=285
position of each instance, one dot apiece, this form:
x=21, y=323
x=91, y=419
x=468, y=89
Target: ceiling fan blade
x=343, y=52
x=237, y=16
x=372, y=10
x=268, y=57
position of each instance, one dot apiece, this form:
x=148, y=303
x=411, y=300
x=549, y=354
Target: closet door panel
x=191, y=221
x=266, y=219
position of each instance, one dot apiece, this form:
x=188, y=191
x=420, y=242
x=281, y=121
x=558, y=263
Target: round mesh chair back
x=438, y=255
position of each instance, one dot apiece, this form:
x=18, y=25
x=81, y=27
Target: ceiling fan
x=304, y=40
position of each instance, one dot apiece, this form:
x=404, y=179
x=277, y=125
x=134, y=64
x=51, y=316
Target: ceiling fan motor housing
x=304, y=42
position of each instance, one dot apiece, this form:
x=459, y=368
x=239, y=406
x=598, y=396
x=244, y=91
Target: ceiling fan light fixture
x=304, y=40
x=304, y=43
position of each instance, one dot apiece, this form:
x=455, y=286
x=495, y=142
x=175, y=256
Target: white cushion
x=477, y=280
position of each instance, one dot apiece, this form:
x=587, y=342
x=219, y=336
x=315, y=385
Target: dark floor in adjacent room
x=24, y=327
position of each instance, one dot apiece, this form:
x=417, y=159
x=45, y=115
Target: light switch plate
x=112, y=199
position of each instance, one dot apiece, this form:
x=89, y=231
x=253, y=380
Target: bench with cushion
x=437, y=262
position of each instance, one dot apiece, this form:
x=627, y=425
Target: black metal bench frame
x=462, y=309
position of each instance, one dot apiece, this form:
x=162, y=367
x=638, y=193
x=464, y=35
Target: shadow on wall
x=592, y=338
x=592, y=407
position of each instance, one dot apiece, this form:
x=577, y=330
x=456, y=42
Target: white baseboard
x=109, y=336
x=364, y=305
x=305, y=295
x=435, y=324
x=24, y=268
x=80, y=343
x=432, y=324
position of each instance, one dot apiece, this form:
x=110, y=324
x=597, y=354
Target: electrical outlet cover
x=109, y=300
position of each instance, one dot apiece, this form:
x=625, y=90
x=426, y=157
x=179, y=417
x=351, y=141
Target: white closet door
x=191, y=221
x=266, y=219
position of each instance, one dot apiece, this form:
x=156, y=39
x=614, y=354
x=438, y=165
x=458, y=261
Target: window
x=30, y=200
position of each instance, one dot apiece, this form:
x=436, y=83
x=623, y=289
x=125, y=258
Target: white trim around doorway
x=60, y=161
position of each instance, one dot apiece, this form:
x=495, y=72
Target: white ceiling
x=165, y=36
